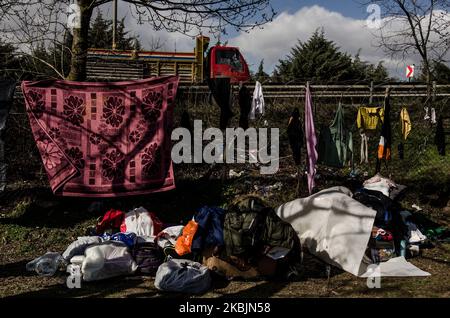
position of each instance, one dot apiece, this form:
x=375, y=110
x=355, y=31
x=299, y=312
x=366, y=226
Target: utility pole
x=114, y=37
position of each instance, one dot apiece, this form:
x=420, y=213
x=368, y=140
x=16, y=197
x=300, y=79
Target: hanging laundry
x=433, y=116
x=336, y=142
x=427, y=113
x=405, y=123
x=384, y=146
x=245, y=105
x=364, y=147
x=104, y=139
x=311, y=140
x=295, y=135
x=440, y=136
x=7, y=88
x=368, y=118
x=258, y=106
x=221, y=91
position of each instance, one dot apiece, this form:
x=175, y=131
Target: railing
x=357, y=91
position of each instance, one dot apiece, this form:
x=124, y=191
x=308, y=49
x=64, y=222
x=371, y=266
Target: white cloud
x=276, y=39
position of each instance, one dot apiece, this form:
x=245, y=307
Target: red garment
x=111, y=220
x=104, y=139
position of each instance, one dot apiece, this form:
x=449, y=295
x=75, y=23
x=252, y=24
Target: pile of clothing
x=248, y=241
x=395, y=231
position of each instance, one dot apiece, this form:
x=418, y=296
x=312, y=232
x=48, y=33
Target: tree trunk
x=428, y=79
x=80, y=44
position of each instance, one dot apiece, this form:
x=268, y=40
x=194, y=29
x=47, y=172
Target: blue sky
x=350, y=8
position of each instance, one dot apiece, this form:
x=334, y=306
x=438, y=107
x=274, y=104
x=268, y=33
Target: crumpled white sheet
x=335, y=228
x=395, y=267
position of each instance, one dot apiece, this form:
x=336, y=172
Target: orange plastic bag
x=184, y=242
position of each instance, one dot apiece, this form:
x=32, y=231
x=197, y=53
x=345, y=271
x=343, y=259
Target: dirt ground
x=33, y=221
x=41, y=223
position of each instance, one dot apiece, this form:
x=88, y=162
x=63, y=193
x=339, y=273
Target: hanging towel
x=433, y=116
x=364, y=147
x=104, y=139
x=427, y=115
x=384, y=146
x=311, y=140
x=369, y=117
x=405, y=123
x=7, y=88
x=335, y=142
x=257, y=101
x=295, y=135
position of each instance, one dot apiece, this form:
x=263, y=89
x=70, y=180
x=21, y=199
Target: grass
x=33, y=221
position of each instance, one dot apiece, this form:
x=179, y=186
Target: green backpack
x=244, y=225
x=251, y=225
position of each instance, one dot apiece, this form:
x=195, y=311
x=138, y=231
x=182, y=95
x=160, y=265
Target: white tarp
x=336, y=228
x=395, y=267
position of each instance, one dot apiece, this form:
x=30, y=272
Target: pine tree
x=440, y=72
x=320, y=60
x=260, y=75
x=379, y=74
x=100, y=34
x=9, y=63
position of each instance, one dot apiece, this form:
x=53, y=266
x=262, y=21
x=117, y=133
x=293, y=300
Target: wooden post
x=434, y=92
x=114, y=36
x=371, y=93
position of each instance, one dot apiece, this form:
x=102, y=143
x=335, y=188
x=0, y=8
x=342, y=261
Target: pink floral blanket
x=104, y=139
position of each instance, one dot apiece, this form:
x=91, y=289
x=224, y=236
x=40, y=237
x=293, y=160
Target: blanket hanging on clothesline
x=104, y=139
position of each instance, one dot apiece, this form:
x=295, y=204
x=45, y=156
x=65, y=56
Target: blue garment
x=210, y=228
x=128, y=238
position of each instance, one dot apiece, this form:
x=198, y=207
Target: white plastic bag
x=79, y=246
x=183, y=276
x=46, y=265
x=106, y=260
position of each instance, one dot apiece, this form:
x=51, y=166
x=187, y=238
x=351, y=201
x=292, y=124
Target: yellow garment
x=405, y=122
x=368, y=117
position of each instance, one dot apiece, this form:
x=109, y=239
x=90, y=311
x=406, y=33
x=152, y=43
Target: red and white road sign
x=410, y=71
